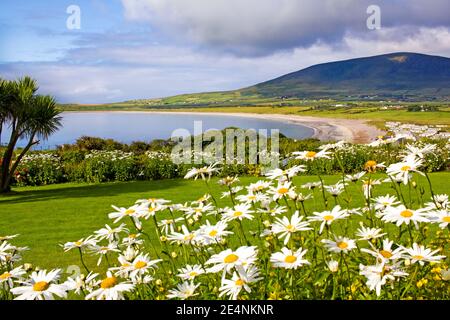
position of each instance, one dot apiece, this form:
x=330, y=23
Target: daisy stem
x=243, y=232
x=323, y=192
x=210, y=193
x=431, y=189
x=82, y=260
x=410, y=281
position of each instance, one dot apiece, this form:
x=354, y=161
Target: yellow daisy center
x=41, y=286
x=446, y=219
x=290, y=259
x=78, y=243
x=328, y=217
x=108, y=282
x=193, y=274
x=310, y=154
x=290, y=228
x=140, y=264
x=5, y=276
x=239, y=282
x=342, y=245
x=406, y=213
x=386, y=254
x=237, y=213
x=189, y=237
x=129, y=212
x=418, y=257
x=132, y=236
x=405, y=168
x=213, y=233
x=283, y=190
x=231, y=258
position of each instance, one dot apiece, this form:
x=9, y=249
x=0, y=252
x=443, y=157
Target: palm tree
x=30, y=116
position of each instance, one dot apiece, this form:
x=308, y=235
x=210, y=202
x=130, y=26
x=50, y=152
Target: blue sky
x=131, y=49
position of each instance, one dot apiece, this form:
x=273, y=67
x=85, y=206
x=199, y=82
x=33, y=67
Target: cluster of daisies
x=275, y=239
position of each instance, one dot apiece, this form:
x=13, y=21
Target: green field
x=48, y=216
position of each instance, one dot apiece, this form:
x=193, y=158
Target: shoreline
x=325, y=129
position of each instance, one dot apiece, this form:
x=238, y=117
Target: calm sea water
x=132, y=126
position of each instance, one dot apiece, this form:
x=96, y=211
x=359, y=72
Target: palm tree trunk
x=6, y=183
x=6, y=162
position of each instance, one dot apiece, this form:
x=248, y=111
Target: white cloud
x=264, y=26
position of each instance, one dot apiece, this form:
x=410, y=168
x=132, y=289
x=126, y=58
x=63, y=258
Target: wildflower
x=382, y=202
x=258, y=186
x=372, y=166
x=110, y=289
x=202, y=172
x=311, y=185
x=140, y=265
x=341, y=244
x=150, y=201
x=121, y=213
x=402, y=170
x=354, y=177
x=288, y=173
x=289, y=259
x=333, y=266
x=109, y=233
x=228, y=259
x=213, y=233
x=228, y=181
x=285, y=227
x=415, y=151
x=186, y=237
x=440, y=216
x=41, y=286
x=198, y=211
x=82, y=243
x=335, y=189
x=311, y=155
x=104, y=250
x=7, y=278
x=421, y=254
x=240, y=212
x=190, y=272
x=233, y=287
x=401, y=214
x=327, y=217
x=367, y=186
x=379, y=274
x=183, y=291
x=369, y=233
x=282, y=190
x=386, y=253
x=81, y=283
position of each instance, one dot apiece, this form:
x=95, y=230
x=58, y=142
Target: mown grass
x=48, y=216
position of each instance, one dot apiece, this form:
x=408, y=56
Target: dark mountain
x=400, y=75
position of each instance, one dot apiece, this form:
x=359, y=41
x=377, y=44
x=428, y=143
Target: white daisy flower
x=41, y=286
x=285, y=227
x=110, y=289
x=233, y=287
x=183, y=291
x=369, y=233
x=228, y=259
x=421, y=254
x=240, y=212
x=289, y=259
x=340, y=244
x=327, y=217
x=190, y=272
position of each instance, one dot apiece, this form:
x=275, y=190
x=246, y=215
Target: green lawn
x=51, y=215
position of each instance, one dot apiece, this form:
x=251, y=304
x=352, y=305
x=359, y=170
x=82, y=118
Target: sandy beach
x=325, y=129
